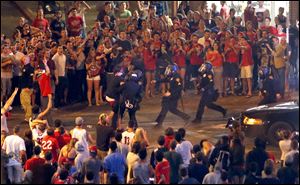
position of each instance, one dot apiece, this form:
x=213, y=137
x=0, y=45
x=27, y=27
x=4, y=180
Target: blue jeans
x=279, y=75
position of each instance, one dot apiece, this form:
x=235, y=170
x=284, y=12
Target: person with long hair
x=93, y=76
x=179, y=54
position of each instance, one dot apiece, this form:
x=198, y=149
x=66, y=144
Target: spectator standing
x=34, y=164
x=236, y=168
x=56, y=26
x=169, y=136
x=213, y=177
x=186, y=179
x=224, y=12
x=115, y=163
x=81, y=134
x=257, y=155
x=280, y=19
x=14, y=146
x=286, y=174
x=40, y=22
x=269, y=178
x=7, y=61
x=128, y=134
x=162, y=169
x=261, y=13
x=74, y=23
x=184, y=148
x=246, y=66
x=131, y=159
x=142, y=170
x=285, y=146
x=29, y=143
x=104, y=135
x=107, y=10
x=175, y=161
x=26, y=85
x=123, y=16
x=49, y=143
x=60, y=61
x=198, y=169
x=161, y=147
x=92, y=164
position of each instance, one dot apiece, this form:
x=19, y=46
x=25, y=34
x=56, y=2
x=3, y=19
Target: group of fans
x=128, y=56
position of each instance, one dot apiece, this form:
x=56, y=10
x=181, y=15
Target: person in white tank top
x=81, y=134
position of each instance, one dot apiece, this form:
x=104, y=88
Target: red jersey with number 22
x=50, y=144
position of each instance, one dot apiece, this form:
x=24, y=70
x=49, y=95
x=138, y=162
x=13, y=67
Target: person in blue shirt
x=115, y=163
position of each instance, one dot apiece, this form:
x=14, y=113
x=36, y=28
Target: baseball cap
x=79, y=121
x=93, y=149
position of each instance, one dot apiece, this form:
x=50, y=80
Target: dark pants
x=15, y=84
x=255, y=73
x=131, y=113
x=170, y=105
x=115, y=109
x=208, y=102
x=267, y=100
x=81, y=85
x=59, y=90
x=279, y=75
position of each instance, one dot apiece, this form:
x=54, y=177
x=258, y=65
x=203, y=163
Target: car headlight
x=252, y=121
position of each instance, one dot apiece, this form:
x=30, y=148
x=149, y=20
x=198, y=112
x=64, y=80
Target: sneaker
x=158, y=125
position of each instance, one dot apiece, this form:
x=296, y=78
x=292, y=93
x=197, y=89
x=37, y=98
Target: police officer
x=171, y=97
x=113, y=94
x=132, y=94
x=267, y=91
x=209, y=94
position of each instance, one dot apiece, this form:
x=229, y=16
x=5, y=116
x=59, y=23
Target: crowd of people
x=48, y=64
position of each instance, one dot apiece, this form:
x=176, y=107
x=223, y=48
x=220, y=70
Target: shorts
x=230, y=70
x=150, y=70
x=93, y=78
x=246, y=71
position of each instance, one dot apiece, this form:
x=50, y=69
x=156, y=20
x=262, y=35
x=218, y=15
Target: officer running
x=171, y=97
x=209, y=94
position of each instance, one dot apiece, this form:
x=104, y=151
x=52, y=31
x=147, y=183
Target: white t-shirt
x=212, y=178
x=4, y=123
x=60, y=63
x=184, y=149
x=81, y=135
x=285, y=147
x=12, y=145
x=38, y=136
x=127, y=137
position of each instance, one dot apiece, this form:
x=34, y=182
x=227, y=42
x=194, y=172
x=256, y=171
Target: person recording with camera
x=209, y=93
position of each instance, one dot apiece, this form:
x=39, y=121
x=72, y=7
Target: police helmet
x=205, y=68
x=136, y=75
x=171, y=69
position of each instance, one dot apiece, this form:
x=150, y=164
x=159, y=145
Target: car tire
x=273, y=137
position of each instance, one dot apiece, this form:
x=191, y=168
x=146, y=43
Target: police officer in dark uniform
x=132, y=94
x=209, y=94
x=268, y=91
x=113, y=94
x=171, y=97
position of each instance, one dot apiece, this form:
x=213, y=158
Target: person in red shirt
x=149, y=63
x=216, y=59
x=267, y=26
x=196, y=60
x=58, y=134
x=179, y=54
x=74, y=24
x=224, y=12
x=169, y=136
x=246, y=66
x=231, y=65
x=49, y=143
x=34, y=165
x=40, y=22
x=35, y=162
x=162, y=169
